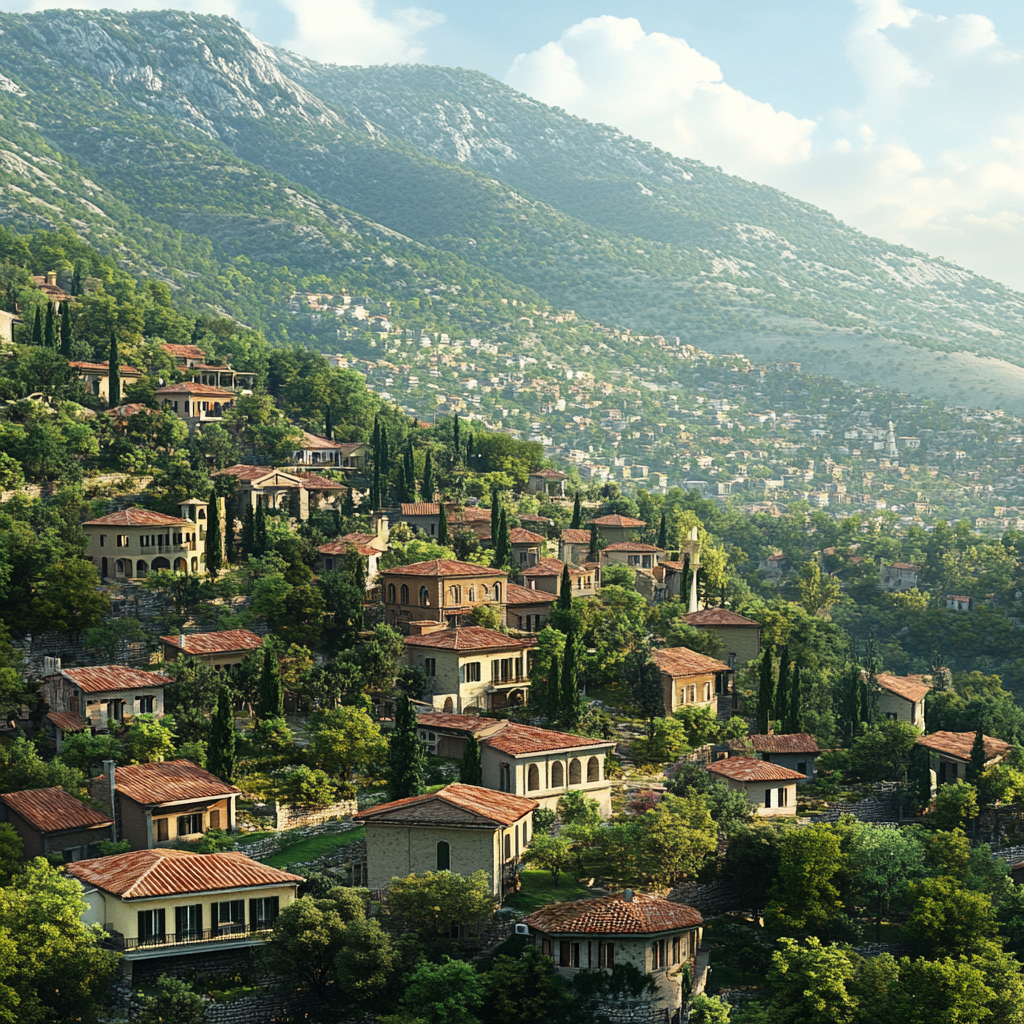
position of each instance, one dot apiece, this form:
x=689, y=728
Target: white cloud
x=932, y=155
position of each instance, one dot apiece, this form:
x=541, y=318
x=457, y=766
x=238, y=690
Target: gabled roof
x=912, y=688
x=618, y=520
x=66, y=721
x=461, y=723
x=184, y=351
x=225, y=641
x=904, y=565
x=189, y=387
x=749, y=769
x=127, y=371
x=315, y=482
x=518, y=595
x=545, y=567
x=314, y=442
x=549, y=474
x=521, y=536
x=718, y=617
x=468, y=638
x=420, y=508
x=136, y=516
x=615, y=915
x=681, y=661
x=958, y=745
x=516, y=739
x=53, y=810
x=444, y=567
x=106, y=678
x=169, y=782
x=575, y=536
x=457, y=804
x=144, y=874
x=782, y=743
x=632, y=545
x=350, y=542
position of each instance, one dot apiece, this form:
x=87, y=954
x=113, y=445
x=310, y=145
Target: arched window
x=141, y=568
x=405, y=594
x=119, y=567
x=593, y=770
x=533, y=777
x=508, y=847
x=472, y=594
x=497, y=592
x=557, y=774
x=444, y=856
x=449, y=707
x=455, y=595
x=195, y=565
x=161, y=563
x=180, y=565
x=575, y=772
x=391, y=593
x=424, y=597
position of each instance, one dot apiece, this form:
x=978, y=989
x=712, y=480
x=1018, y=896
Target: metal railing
x=225, y=933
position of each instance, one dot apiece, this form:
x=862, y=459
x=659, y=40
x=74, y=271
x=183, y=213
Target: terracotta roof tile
x=545, y=567
x=782, y=743
x=53, y=810
x=576, y=536
x=632, y=545
x=617, y=520
x=67, y=721
x=184, y=351
x=222, y=642
x=681, y=661
x=144, y=874
x=104, y=678
x=458, y=804
x=749, y=769
x=905, y=565
x=136, y=517
x=717, y=617
x=540, y=520
x=462, y=723
x=518, y=595
x=516, y=739
x=188, y=387
x=959, y=745
x=314, y=442
x=243, y=472
x=443, y=567
x=420, y=508
x=103, y=368
x=315, y=482
x=521, y=536
x=468, y=638
x=350, y=542
x=168, y=782
x=615, y=915
x=912, y=688
x=549, y=474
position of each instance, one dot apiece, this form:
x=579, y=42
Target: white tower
x=890, y=443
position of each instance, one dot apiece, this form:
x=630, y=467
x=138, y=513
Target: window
x=783, y=796
x=263, y=912
x=391, y=593
x=161, y=830
x=633, y=560
x=103, y=540
x=424, y=597
x=152, y=928
x=328, y=563
x=675, y=950
x=593, y=770
x=215, y=819
x=801, y=767
x=146, y=705
x=767, y=798
x=891, y=716
x=444, y=856
x=190, y=824
x=575, y=772
x=405, y=594
x=504, y=778
x=557, y=774
x=188, y=922
x=533, y=778
x=473, y=672
x=606, y=954
x=430, y=666
x=497, y=592
x=658, y=954
x=568, y=954
x=508, y=847
x=472, y=594
x=230, y=916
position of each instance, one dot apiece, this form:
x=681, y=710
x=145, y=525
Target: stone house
x=224, y=650
x=574, y=546
x=541, y=764
x=901, y=698
x=654, y=935
x=136, y=541
x=458, y=828
x=690, y=678
x=546, y=575
x=526, y=609
x=164, y=802
x=632, y=553
x=470, y=666
x=441, y=590
x=671, y=575
x=898, y=577
x=421, y=515
x=155, y=903
x=7, y=325
x=527, y=547
x=100, y=694
x=949, y=754
x=473, y=520
x=546, y=481
x=769, y=788
x=272, y=487
x=959, y=603
x=616, y=529
x=370, y=547
x=96, y=377
x=52, y=821
x=795, y=751
x=195, y=404
x=740, y=636
x=314, y=450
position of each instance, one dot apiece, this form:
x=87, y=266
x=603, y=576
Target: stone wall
x=289, y=816
x=636, y=1013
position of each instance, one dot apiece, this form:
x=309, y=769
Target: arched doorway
x=160, y=563
x=104, y=572
x=180, y=565
x=575, y=772
x=141, y=568
x=449, y=707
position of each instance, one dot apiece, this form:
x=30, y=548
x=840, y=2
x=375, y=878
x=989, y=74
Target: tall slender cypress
x=65, y=331
x=765, y=691
x=428, y=477
x=471, y=771
x=457, y=443
x=76, y=282
x=214, y=549
x=796, y=711
x=780, y=707
x=495, y=515
x=551, y=696
x=271, y=702
x=469, y=451
x=577, y=513
x=593, y=554
x=114, y=372
x=259, y=530
x=222, y=737
x=37, y=329
x=229, y=537
x=50, y=327
x=662, y=533
x=502, y=546
x=570, y=710
x=375, y=502
x=385, y=466
x=565, y=590
x=329, y=423
x=407, y=759
x=248, y=530
x=442, y=525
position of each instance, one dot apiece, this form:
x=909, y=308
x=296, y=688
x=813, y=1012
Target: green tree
x=50, y=328
x=434, y=902
x=442, y=525
x=564, y=603
x=175, y=1001
x=709, y=1010
x=947, y=919
x=446, y=993
x=271, y=693
x=662, y=541
x=37, y=329
x=519, y=990
x=570, y=700
x=429, y=487
x=956, y=806
x=148, y=739
x=221, y=759
x=550, y=853
x=780, y=704
x=407, y=758
x=978, y=758
x=593, y=554
x=470, y=770
x=501, y=541
x=804, y=895
x=12, y=852
x=810, y=984
x=214, y=550
x=881, y=862
x=765, y=691
x=818, y=593
x=346, y=741
x=577, y=513
x=66, y=334
x=260, y=544
x=248, y=538
x=114, y=372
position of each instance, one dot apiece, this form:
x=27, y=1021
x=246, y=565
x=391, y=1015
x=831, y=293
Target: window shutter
x=215, y=819
x=161, y=830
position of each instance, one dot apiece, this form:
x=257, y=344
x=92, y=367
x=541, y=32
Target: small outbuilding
x=769, y=788
x=950, y=754
x=901, y=698
x=795, y=751
x=52, y=821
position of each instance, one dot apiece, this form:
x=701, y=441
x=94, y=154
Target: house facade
x=689, y=678
x=527, y=547
x=51, y=821
x=368, y=546
x=101, y=694
x=769, y=788
x=633, y=554
x=546, y=576
x=315, y=450
x=441, y=590
x=574, y=546
x=546, y=481
x=224, y=650
x=459, y=828
x=616, y=529
x=901, y=698
x=195, y=404
x=273, y=487
x=96, y=377
x=527, y=610
x=949, y=754
x=740, y=636
x=898, y=577
x=136, y=541
x=795, y=751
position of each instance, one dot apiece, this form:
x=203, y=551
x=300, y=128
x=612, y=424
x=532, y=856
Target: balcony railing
x=225, y=933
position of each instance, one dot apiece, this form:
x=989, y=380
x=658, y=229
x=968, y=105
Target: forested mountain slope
x=167, y=130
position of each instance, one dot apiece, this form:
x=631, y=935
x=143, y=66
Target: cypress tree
x=565, y=590
x=328, y=424
x=385, y=466
x=76, y=282
x=248, y=531
x=271, y=696
x=662, y=533
x=410, y=472
x=214, y=550
x=375, y=481
x=570, y=703
x=37, y=329
x=780, y=707
x=765, y=691
x=50, y=327
x=348, y=507
x=455, y=437
x=442, y=524
x=114, y=372
x=469, y=452
x=259, y=530
x=593, y=554
x=222, y=737
x=796, y=717
x=65, y=332
x=229, y=537
x=577, y=513
x=471, y=771
x=551, y=696
x=428, y=477
x=502, y=546
x=495, y=515
x=294, y=504
x=407, y=758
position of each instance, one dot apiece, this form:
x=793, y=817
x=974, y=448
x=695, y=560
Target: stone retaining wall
x=636, y=1013
x=289, y=816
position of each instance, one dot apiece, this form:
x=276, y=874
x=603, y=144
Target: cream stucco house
x=459, y=828
x=950, y=754
x=442, y=590
x=770, y=788
x=99, y=694
x=901, y=698
x=224, y=650
x=137, y=541
x=689, y=678
x=740, y=636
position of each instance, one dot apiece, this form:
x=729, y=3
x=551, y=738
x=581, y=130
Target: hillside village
x=334, y=692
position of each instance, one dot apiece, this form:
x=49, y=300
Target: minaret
x=890, y=443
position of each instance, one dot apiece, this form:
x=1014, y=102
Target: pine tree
x=570, y=703
x=565, y=590
x=662, y=533
x=407, y=758
x=457, y=443
x=442, y=524
x=471, y=771
x=593, y=555
x=222, y=737
x=214, y=551
x=248, y=531
x=65, y=332
x=37, y=329
x=271, y=692
x=50, y=328
x=114, y=372
x=428, y=477
x=765, y=691
x=577, y=513
x=780, y=708
x=259, y=530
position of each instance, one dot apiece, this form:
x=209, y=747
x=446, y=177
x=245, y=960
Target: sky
x=906, y=122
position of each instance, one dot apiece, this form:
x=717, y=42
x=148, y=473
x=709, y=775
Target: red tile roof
x=576, y=536
x=350, y=542
x=959, y=744
x=717, y=617
x=168, y=782
x=456, y=804
x=543, y=520
x=545, y=567
x=617, y=520
x=632, y=545
x=222, y=642
x=243, y=472
x=615, y=915
x=904, y=565
x=103, y=368
x=444, y=567
x=315, y=482
x=521, y=536
x=136, y=516
x=681, y=661
x=188, y=387
x=549, y=474
x=104, y=678
x=420, y=508
x=144, y=874
x=518, y=595
x=314, y=442
x=461, y=723
x=184, y=351
x=912, y=688
x=468, y=638
x=53, y=810
x=782, y=743
x=66, y=721
x=517, y=739
x=749, y=769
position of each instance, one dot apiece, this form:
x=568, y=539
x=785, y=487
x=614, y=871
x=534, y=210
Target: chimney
x=628, y=895
x=181, y=640
x=51, y=278
x=383, y=528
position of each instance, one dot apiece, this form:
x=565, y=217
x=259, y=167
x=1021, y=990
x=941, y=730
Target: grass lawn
x=313, y=847
x=538, y=890
x=252, y=837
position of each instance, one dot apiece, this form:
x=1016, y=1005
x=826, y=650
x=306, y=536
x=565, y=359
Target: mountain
x=164, y=133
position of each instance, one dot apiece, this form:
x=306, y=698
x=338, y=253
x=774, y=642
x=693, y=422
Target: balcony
x=174, y=943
